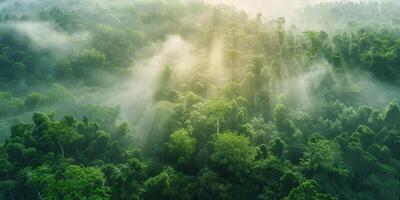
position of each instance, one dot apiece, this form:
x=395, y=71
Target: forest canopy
x=193, y=99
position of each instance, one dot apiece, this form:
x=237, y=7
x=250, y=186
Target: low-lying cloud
x=274, y=8
x=45, y=35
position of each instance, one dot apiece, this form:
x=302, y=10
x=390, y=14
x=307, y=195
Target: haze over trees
x=170, y=99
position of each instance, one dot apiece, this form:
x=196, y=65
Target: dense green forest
x=174, y=99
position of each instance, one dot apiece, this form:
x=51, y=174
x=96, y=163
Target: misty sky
x=274, y=8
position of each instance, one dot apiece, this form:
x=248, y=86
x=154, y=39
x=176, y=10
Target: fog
x=269, y=8
x=195, y=99
x=357, y=88
x=45, y=35
x=186, y=57
x=275, y=8
x=135, y=94
x=297, y=89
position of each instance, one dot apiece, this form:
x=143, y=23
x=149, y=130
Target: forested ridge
x=170, y=99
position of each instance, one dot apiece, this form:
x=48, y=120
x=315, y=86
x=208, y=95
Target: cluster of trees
x=261, y=112
x=376, y=52
x=336, y=16
x=335, y=152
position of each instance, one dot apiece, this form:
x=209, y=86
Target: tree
x=62, y=133
x=276, y=147
x=60, y=94
x=210, y=117
x=276, y=176
x=34, y=100
x=392, y=116
x=324, y=156
x=43, y=182
x=10, y=104
x=5, y=167
x=308, y=191
x=364, y=135
x=18, y=71
x=102, y=114
x=89, y=62
x=165, y=116
x=392, y=140
x=233, y=152
x=83, y=182
x=126, y=180
x=168, y=185
x=76, y=183
x=212, y=186
x=181, y=146
x=282, y=121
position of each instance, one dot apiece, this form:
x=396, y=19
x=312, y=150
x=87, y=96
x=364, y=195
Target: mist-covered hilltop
x=173, y=99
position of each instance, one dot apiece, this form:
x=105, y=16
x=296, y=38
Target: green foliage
x=392, y=116
x=323, y=155
x=276, y=147
x=181, y=146
x=169, y=184
x=187, y=100
x=212, y=116
x=60, y=94
x=234, y=153
x=10, y=104
x=307, y=191
x=35, y=100
x=105, y=116
x=76, y=183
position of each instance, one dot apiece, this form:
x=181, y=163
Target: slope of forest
x=170, y=99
